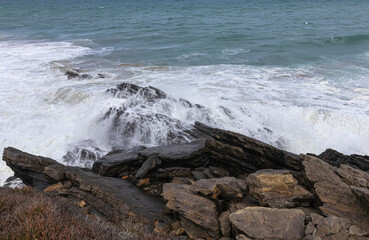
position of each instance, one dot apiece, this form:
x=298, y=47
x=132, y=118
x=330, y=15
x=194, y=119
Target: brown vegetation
x=25, y=214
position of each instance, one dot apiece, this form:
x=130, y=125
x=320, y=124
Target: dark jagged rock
x=71, y=74
x=336, y=159
x=149, y=93
x=75, y=74
x=246, y=151
x=219, y=152
x=113, y=198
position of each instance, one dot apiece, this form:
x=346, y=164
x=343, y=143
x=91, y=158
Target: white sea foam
x=302, y=109
x=31, y=119
x=298, y=109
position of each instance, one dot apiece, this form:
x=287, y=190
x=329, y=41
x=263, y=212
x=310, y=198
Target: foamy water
x=300, y=109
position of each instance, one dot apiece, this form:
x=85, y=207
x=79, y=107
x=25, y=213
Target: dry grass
x=28, y=215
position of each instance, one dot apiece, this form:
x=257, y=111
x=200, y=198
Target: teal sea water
x=294, y=74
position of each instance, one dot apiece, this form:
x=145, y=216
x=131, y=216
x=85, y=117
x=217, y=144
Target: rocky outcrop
x=333, y=191
x=269, y=223
x=218, y=185
x=277, y=188
x=110, y=197
x=217, y=153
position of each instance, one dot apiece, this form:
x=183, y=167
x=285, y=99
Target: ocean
x=294, y=74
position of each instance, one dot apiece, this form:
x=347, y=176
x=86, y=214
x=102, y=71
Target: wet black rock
x=126, y=89
x=336, y=159
x=71, y=74
x=75, y=74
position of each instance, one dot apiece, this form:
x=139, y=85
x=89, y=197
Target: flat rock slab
x=270, y=223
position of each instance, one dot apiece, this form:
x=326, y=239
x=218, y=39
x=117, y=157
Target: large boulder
x=198, y=215
x=334, y=193
x=277, y=189
x=270, y=223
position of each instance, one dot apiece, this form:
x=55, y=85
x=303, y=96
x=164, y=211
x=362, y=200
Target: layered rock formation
x=213, y=184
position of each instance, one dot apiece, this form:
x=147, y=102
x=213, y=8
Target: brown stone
x=143, y=182
x=81, y=204
x=353, y=176
x=224, y=224
x=332, y=225
x=270, y=223
x=335, y=194
x=277, y=188
x=357, y=231
x=309, y=228
x=227, y=187
x=162, y=228
x=196, y=210
x=242, y=237
x=53, y=187
x=316, y=218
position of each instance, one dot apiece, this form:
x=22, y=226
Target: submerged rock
x=75, y=74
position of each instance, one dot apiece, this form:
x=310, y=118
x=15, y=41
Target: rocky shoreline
x=210, y=183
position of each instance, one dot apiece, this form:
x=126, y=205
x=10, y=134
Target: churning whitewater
x=304, y=108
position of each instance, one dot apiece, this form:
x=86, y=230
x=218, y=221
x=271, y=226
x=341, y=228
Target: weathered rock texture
x=197, y=213
x=334, y=192
x=208, y=183
x=111, y=197
x=270, y=223
x=277, y=188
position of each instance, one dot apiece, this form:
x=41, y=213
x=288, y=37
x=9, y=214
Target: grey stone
x=309, y=228
x=224, y=224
